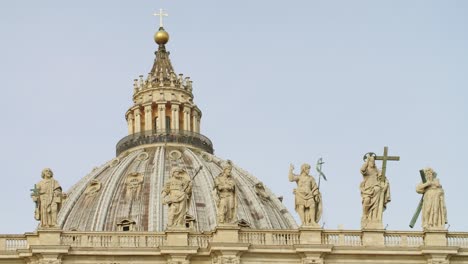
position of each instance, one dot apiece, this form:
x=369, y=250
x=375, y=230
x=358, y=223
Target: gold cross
x=160, y=15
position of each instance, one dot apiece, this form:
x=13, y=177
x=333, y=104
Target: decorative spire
x=163, y=104
x=162, y=72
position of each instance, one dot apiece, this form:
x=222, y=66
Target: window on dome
x=126, y=225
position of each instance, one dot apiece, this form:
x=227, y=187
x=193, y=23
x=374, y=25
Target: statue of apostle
x=434, y=212
x=375, y=194
x=48, y=197
x=176, y=194
x=308, y=201
x=225, y=196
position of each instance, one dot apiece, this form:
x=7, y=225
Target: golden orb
x=161, y=37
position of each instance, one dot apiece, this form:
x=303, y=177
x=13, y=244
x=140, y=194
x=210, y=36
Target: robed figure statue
x=176, y=194
x=308, y=200
x=225, y=195
x=48, y=197
x=434, y=212
x=375, y=194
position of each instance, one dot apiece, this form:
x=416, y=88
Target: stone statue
x=375, y=194
x=176, y=194
x=434, y=212
x=225, y=195
x=308, y=201
x=48, y=197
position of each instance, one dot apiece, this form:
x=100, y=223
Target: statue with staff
x=48, y=197
x=308, y=200
x=176, y=195
x=432, y=204
x=375, y=189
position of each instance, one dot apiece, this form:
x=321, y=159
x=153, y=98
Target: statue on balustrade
x=176, y=194
x=308, y=200
x=48, y=196
x=225, y=195
x=434, y=212
x=375, y=194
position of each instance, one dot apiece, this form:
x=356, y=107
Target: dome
x=125, y=193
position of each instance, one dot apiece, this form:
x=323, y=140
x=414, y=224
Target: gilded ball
x=161, y=37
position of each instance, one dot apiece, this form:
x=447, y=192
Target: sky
x=278, y=83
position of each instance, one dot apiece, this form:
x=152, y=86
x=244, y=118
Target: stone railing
x=200, y=240
x=341, y=237
x=353, y=238
x=270, y=237
x=165, y=136
x=457, y=239
x=13, y=242
x=404, y=239
x=113, y=239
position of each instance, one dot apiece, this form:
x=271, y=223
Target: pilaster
x=137, y=114
x=438, y=254
x=130, y=122
x=195, y=121
x=161, y=116
x=187, y=111
x=148, y=117
x=175, y=116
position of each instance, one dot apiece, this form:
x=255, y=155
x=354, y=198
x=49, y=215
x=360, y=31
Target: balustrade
x=254, y=237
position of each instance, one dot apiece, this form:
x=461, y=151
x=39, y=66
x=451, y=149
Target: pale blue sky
x=277, y=81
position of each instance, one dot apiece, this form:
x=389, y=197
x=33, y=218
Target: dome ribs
x=147, y=169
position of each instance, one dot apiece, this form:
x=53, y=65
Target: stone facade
x=230, y=244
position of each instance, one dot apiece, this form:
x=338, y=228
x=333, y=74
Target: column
x=148, y=118
x=198, y=123
x=162, y=116
x=137, y=114
x=186, y=118
x=175, y=116
x=130, y=122
x=195, y=121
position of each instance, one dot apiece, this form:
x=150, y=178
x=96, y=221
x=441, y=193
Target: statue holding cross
x=432, y=205
x=375, y=189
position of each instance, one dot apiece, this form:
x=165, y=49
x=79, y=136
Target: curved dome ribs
x=75, y=192
x=109, y=188
x=124, y=201
x=251, y=213
x=129, y=188
x=203, y=185
x=161, y=179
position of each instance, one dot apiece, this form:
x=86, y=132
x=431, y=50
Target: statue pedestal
x=45, y=245
x=45, y=236
x=226, y=233
x=177, y=236
x=436, y=237
x=373, y=237
x=311, y=235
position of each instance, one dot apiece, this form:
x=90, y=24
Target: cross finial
x=160, y=15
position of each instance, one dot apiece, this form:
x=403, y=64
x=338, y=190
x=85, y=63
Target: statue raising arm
x=292, y=176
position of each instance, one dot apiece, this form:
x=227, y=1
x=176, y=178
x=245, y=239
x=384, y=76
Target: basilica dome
x=126, y=191
x=125, y=194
